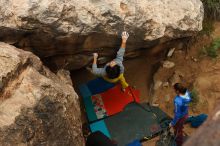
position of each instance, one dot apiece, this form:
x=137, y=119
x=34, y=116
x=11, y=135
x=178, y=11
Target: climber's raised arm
x=121, y=51
x=113, y=70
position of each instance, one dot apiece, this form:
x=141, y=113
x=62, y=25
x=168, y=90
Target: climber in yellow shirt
x=114, y=70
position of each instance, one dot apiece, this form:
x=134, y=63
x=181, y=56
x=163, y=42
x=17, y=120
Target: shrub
x=208, y=27
x=212, y=9
x=212, y=50
x=194, y=97
x=211, y=13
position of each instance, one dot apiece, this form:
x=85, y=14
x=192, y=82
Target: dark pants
x=178, y=130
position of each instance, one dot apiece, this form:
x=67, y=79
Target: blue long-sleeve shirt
x=181, y=107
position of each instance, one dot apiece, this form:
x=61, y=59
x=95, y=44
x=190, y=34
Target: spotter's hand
x=170, y=125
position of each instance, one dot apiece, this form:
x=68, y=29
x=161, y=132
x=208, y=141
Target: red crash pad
x=115, y=99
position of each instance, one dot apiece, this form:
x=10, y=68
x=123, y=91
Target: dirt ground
x=143, y=70
x=191, y=67
x=196, y=71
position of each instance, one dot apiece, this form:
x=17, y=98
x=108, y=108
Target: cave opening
x=139, y=70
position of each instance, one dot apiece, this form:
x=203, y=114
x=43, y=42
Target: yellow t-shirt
x=120, y=79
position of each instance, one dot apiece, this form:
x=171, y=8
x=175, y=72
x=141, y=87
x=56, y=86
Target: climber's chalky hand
x=124, y=36
x=95, y=55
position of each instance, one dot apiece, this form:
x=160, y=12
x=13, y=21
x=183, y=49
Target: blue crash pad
x=99, y=85
x=134, y=143
x=91, y=88
x=100, y=126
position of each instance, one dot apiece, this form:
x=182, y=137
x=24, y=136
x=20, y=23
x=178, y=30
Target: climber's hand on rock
x=95, y=55
x=124, y=36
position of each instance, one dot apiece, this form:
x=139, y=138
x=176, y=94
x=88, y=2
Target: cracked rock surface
x=65, y=32
x=37, y=107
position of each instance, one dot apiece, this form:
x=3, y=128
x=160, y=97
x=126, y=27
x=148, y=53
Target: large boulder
x=37, y=107
x=208, y=134
x=65, y=33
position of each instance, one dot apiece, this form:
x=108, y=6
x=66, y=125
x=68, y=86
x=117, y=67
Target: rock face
x=37, y=107
x=208, y=133
x=65, y=33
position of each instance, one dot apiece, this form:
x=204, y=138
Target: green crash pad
x=136, y=121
